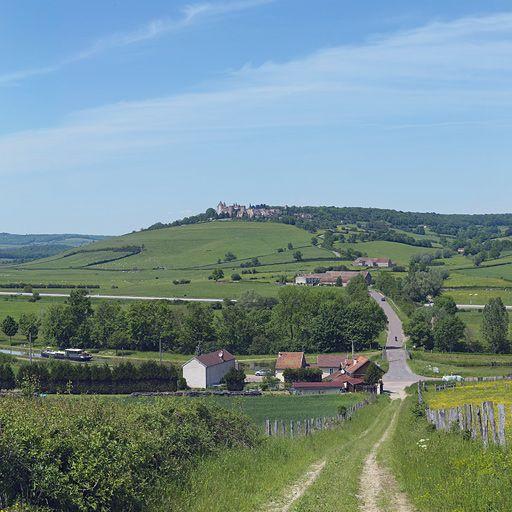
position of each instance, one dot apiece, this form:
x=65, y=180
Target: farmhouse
x=373, y=262
x=330, y=278
x=321, y=388
x=293, y=360
x=208, y=369
x=329, y=363
x=355, y=368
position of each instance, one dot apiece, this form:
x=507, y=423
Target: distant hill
x=16, y=248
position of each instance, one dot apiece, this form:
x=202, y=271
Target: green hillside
x=147, y=262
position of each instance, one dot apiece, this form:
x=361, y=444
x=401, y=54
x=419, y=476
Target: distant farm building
x=208, y=369
x=332, y=277
x=373, y=262
x=292, y=360
x=329, y=363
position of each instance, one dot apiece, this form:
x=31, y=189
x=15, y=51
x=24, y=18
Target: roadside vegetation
x=444, y=472
x=97, y=454
x=259, y=478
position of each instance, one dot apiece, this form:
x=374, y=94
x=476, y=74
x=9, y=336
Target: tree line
x=66, y=377
x=310, y=319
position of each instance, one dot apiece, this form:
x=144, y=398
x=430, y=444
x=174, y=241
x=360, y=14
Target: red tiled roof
x=329, y=361
x=217, y=357
x=359, y=362
x=341, y=378
x=290, y=360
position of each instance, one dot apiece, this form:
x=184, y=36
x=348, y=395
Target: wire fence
x=307, y=426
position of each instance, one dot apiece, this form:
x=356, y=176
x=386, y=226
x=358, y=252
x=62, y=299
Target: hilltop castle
x=239, y=211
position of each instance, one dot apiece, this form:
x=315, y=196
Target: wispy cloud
x=445, y=75
x=191, y=15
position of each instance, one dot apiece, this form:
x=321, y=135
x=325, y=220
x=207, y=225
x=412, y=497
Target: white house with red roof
x=208, y=370
x=373, y=262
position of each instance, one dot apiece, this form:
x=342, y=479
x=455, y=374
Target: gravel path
x=297, y=489
x=378, y=488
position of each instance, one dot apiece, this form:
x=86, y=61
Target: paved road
x=120, y=297
x=399, y=375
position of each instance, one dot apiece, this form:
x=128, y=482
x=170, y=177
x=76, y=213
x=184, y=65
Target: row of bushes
x=63, y=376
x=100, y=454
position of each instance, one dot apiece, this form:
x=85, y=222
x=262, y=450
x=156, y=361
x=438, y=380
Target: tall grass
x=247, y=479
x=446, y=472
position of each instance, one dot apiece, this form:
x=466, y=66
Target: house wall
x=300, y=280
x=326, y=371
x=279, y=375
x=215, y=373
x=195, y=374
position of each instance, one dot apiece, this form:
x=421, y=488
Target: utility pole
x=352, y=350
x=30, y=346
x=160, y=349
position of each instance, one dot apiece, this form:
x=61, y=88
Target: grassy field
x=185, y=252
x=447, y=473
x=260, y=479
x=399, y=253
x=287, y=407
x=464, y=364
x=499, y=392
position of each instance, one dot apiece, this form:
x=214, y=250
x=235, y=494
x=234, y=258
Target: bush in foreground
x=106, y=455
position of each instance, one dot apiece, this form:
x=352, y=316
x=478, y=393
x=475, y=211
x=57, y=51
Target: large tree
x=196, y=331
x=448, y=333
x=495, y=326
x=29, y=326
x=9, y=327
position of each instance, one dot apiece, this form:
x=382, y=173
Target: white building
x=208, y=369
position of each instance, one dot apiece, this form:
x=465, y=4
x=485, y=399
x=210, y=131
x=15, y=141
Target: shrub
x=98, y=454
x=234, y=380
x=236, y=277
x=302, y=375
x=61, y=376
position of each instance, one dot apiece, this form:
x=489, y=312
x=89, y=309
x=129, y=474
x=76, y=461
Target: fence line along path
x=308, y=426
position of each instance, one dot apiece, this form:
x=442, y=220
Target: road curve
x=399, y=375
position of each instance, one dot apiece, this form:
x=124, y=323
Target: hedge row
x=63, y=376
x=99, y=454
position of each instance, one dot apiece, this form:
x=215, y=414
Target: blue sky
x=118, y=114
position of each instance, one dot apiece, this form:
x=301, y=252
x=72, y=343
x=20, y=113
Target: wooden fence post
x=267, y=427
x=291, y=428
x=490, y=417
x=501, y=424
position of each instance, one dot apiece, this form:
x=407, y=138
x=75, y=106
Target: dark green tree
x=448, y=333
x=495, y=326
x=10, y=327
x=217, y=274
x=373, y=374
x=297, y=255
x=234, y=380
x=196, y=333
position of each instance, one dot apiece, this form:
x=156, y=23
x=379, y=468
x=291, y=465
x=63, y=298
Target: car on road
x=261, y=373
x=453, y=378
x=383, y=299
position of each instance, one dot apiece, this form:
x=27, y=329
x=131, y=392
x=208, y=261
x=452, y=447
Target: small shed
x=208, y=370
